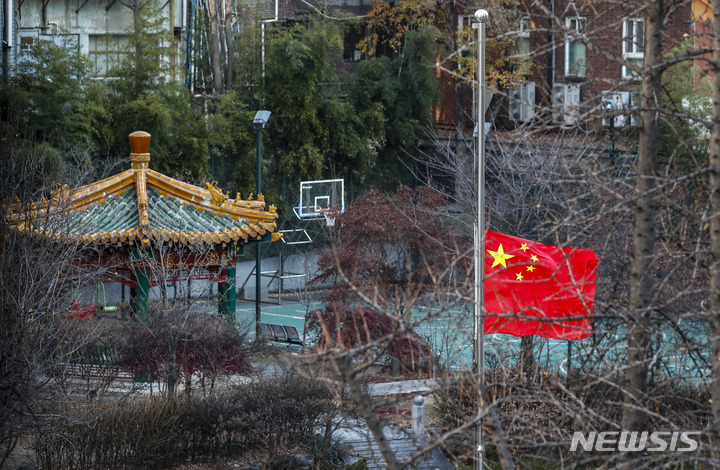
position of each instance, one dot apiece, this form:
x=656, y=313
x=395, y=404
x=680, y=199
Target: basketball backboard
x=317, y=197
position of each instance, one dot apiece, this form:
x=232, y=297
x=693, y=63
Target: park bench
x=93, y=371
x=280, y=333
x=93, y=362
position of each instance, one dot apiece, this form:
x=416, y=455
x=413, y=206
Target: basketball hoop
x=330, y=216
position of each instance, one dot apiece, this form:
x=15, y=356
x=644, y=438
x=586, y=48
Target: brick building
x=570, y=78
x=567, y=76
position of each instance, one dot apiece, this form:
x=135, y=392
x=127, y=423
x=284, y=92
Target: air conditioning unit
x=566, y=103
x=521, y=106
x=614, y=102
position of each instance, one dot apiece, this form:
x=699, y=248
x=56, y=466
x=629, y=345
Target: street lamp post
x=261, y=118
x=481, y=16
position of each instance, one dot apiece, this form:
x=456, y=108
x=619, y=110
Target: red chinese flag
x=537, y=289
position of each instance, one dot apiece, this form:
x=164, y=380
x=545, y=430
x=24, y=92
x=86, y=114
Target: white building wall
x=110, y=293
x=86, y=18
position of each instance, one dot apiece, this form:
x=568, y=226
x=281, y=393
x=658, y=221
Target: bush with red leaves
x=346, y=327
x=384, y=244
x=172, y=345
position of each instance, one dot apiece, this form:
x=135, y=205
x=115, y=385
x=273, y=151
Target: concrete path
x=401, y=387
x=362, y=445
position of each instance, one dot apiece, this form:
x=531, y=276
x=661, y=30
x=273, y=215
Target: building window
x=633, y=45
x=26, y=43
x=466, y=34
x=26, y=40
x=575, y=63
x=523, y=38
x=106, y=53
x=465, y=21
x=29, y=38
x=353, y=35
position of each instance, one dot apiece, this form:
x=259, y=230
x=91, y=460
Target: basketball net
x=330, y=216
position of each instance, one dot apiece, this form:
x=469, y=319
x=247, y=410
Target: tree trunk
x=527, y=359
x=221, y=37
x=215, y=36
x=715, y=237
x=638, y=340
x=230, y=39
x=457, y=84
x=138, y=32
x=172, y=376
x=188, y=384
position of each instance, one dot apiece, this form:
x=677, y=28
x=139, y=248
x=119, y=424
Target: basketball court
x=451, y=338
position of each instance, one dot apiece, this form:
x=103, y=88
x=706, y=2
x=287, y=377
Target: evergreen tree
x=143, y=96
x=45, y=96
x=402, y=91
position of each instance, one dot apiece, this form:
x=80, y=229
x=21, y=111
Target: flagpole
x=481, y=16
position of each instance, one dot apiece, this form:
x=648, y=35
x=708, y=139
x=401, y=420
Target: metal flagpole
x=481, y=16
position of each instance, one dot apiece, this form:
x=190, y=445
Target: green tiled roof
x=116, y=220
x=142, y=205
x=168, y=213
x=116, y=213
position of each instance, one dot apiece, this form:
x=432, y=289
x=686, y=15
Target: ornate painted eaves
x=143, y=206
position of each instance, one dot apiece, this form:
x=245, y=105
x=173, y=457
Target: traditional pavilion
x=150, y=229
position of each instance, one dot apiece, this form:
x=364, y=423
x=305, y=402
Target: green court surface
x=451, y=338
x=292, y=314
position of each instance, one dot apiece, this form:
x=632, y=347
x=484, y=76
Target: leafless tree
x=40, y=276
x=183, y=333
x=714, y=295
x=565, y=189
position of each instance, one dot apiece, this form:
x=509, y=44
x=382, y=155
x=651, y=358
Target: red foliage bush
x=344, y=326
x=383, y=244
x=184, y=344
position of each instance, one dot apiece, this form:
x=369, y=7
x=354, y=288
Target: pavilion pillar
x=226, y=293
x=142, y=293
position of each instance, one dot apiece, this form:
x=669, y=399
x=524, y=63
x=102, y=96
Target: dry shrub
x=278, y=414
x=349, y=326
x=145, y=434
x=539, y=418
x=264, y=417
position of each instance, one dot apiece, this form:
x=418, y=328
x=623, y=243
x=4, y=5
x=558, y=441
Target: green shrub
x=358, y=465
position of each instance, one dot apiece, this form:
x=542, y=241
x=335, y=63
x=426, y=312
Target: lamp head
x=481, y=16
x=261, y=118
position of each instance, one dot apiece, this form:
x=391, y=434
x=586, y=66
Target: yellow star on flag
x=499, y=257
x=519, y=276
x=534, y=258
x=531, y=268
x=524, y=247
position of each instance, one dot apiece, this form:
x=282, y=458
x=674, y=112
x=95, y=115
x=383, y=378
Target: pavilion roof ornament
x=140, y=205
x=140, y=161
x=217, y=197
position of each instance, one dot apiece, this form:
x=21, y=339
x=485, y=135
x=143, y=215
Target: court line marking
x=284, y=316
